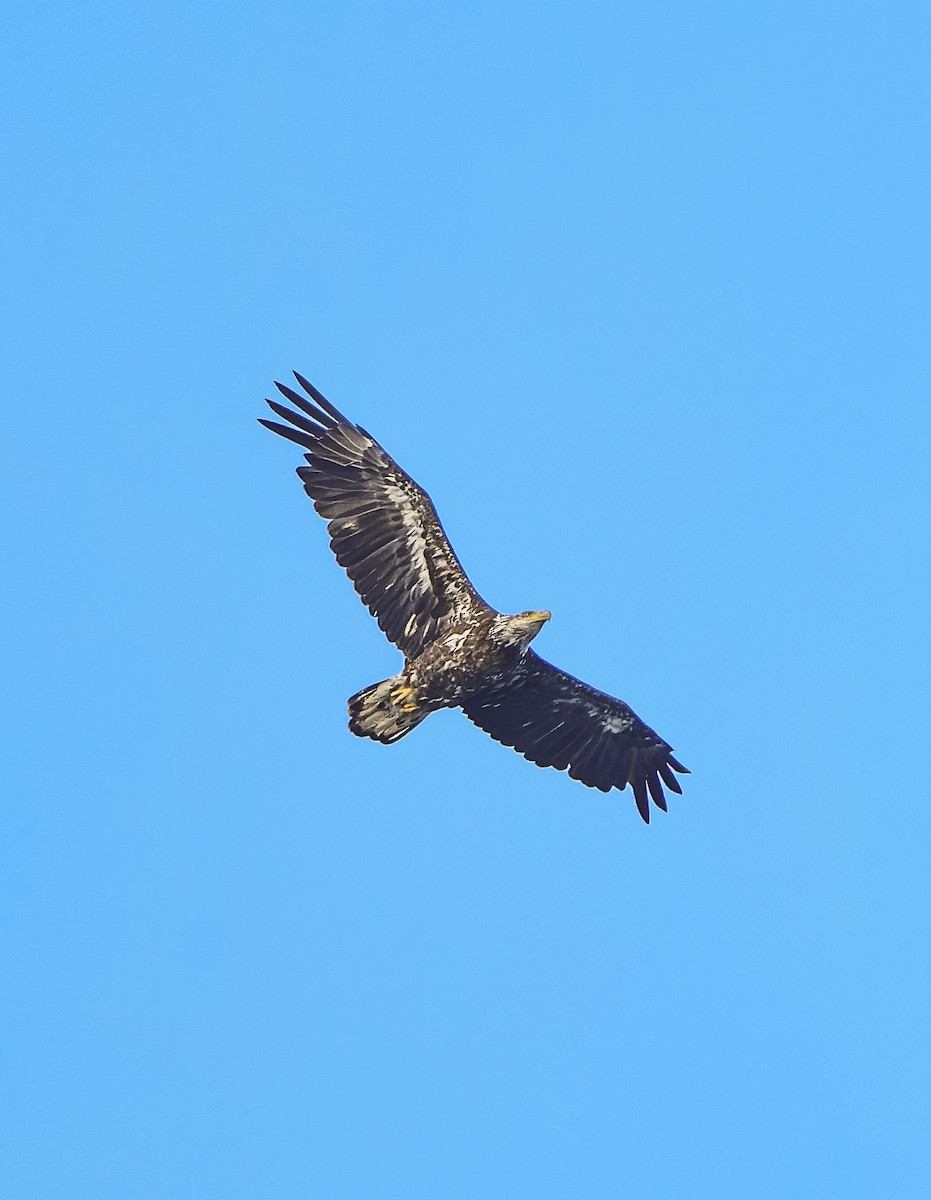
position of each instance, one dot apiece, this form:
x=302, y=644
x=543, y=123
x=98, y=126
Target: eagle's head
x=520, y=630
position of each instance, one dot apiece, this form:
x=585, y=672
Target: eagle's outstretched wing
x=557, y=721
x=383, y=528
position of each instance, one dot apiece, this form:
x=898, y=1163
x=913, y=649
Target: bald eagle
x=458, y=651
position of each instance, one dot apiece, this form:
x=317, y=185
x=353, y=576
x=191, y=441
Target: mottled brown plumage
x=459, y=652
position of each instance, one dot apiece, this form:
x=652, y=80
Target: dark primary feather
x=557, y=721
x=383, y=528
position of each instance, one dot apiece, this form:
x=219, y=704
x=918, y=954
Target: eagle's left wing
x=557, y=721
x=383, y=527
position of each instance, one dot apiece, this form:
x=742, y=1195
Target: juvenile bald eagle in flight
x=458, y=651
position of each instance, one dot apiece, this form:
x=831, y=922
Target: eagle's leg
x=386, y=711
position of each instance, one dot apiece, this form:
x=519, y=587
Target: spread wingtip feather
x=319, y=397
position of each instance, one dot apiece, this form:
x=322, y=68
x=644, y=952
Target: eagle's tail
x=385, y=711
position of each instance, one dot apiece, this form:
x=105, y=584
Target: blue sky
x=640, y=294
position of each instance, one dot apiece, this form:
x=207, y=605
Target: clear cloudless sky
x=640, y=293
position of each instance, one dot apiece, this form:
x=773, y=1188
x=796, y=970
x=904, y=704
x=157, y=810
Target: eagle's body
x=459, y=652
x=468, y=660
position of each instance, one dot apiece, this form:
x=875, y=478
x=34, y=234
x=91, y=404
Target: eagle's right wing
x=555, y=720
x=383, y=528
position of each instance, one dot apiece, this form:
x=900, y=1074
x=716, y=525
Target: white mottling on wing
x=410, y=519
